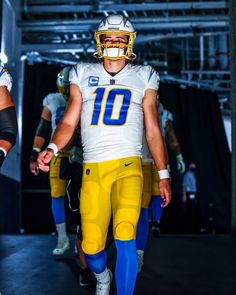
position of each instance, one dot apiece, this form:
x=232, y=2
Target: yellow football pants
x=111, y=187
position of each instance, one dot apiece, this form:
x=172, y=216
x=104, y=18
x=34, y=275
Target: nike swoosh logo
x=127, y=164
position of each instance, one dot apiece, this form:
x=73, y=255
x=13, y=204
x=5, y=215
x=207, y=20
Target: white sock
x=61, y=230
x=103, y=277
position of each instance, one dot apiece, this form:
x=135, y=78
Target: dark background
x=199, y=128
x=40, y=80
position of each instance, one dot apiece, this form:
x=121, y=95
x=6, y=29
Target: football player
x=155, y=209
x=111, y=98
x=151, y=192
x=54, y=105
x=8, y=121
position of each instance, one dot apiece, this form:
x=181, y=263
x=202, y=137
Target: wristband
x=163, y=173
x=53, y=147
x=37, y=149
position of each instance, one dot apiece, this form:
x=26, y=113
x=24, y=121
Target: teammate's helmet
x=115, y=24
x=63, y=82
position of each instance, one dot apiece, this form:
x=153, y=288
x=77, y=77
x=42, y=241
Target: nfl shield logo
x=87, y=171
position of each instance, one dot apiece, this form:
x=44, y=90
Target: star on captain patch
x=112, y=82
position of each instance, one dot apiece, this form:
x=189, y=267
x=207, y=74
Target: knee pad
x=93, y=239
x=124, y=231
x=90, y=246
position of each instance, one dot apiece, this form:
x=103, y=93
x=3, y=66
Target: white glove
x=180, y=163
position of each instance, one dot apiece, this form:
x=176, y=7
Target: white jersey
x=112, y=116
x=163, y=117
x=56, y=104
x=5, y=78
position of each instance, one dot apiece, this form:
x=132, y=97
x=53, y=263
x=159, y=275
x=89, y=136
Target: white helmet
x=115, y=24
x=63, y=82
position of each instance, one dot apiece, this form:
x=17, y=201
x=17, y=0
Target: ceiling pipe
x=222, y=52
x=211, y=53
x=201, y=47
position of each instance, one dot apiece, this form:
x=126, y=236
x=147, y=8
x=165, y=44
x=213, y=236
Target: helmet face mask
x=119, y=26
x=63, y=82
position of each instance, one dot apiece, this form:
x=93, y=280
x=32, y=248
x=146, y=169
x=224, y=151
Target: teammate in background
x=151, y=192
x=8, y=121
x=189, y=199
x=54, y=105
x=73, y=171
x=155, y=208
x=112, y=98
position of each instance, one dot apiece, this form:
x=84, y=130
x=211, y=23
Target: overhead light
x=3, y=57
x=23, y=57
x=91, y=50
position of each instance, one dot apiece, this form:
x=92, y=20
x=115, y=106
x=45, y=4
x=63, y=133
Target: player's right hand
x=44, y=159
x=34, y=167
x=165, y=191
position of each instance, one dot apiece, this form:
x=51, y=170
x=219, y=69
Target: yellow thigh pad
x=95, y=206
x=126, y=201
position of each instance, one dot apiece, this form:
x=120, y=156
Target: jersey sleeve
x=5, y=78
x=47, y=102
x=169, y=116
x=162, y=128
x=75, y=74
x=152, y=78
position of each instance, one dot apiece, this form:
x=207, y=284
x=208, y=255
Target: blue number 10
x=107, y=117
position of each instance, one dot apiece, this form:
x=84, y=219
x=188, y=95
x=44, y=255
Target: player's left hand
x=165, y=191
x=44, y=159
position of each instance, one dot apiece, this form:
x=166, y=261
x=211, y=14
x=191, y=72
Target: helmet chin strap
x=114, y=52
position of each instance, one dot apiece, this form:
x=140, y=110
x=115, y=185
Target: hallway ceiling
x=173, y=36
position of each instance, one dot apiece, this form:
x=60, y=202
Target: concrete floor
x=174, y=264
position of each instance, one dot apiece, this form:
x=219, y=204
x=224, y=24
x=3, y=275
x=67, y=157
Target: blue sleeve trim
x=151, y=73
x=3, y=70
x=76, y=72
